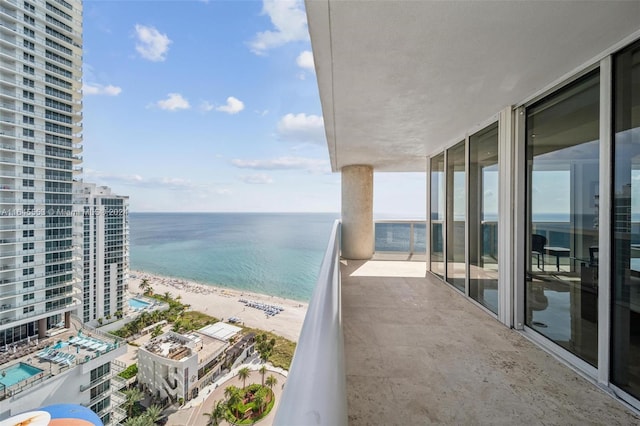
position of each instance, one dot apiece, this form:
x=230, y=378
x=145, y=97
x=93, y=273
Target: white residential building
x=177, y=366
x=40, y=125
x=105, y=251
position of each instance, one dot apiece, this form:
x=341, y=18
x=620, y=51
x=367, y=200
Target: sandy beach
x=224, y=303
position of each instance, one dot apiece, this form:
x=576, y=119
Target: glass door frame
x=519, y=234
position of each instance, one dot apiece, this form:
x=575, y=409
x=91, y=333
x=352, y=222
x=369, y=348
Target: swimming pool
x=138, y=304
x=60, y=345
x=17, y=373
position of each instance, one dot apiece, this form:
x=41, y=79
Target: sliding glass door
x=562, y=148
x=456, y=216
x=625, y=357
x=437, y=215
x=483, y=217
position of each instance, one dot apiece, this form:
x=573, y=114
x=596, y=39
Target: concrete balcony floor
x=417, y=352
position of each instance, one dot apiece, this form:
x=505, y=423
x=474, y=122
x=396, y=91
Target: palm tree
x=136, y=421
x=157, y=330
x=132, y=395
x=153, y=413
x=271, y=381
x=259, y=400
x=243, y=373
x=167, y=296
x=144, y=285
x=263, y=371
x=216, y=415
x=233, y=398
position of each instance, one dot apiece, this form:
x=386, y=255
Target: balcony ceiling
x=400, y=80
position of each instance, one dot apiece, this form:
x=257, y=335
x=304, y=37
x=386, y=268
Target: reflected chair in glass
x=537, y=247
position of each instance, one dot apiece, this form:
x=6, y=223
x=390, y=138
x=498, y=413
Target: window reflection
x=625, y=365
x=483, y=217
x=562, y=217
x=456, y=204
x=437, y=215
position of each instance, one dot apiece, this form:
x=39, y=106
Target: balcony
x=416, y=352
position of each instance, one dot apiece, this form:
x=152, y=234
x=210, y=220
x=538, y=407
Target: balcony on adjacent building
x=386, y=342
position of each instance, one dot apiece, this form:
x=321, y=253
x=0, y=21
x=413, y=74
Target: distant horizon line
x=378, y=215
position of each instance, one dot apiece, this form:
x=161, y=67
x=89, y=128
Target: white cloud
x=152, y=44
x=233, y=106
x=166, y=183
x=289, y=24
x=174, y=102
x=305, y=60
x=302, y=128
x=312, y=165
x=257, y=179
x=99, y=89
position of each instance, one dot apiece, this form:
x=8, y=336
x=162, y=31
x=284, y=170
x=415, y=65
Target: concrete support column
x=357, y=212
x=42, y=328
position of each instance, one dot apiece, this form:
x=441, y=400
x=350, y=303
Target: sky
x=213, y=106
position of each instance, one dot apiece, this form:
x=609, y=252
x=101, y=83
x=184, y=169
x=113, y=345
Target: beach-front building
x=40, y=139
x=105, y=251
x=176, y=366
x=524, y=118
x=78, y=365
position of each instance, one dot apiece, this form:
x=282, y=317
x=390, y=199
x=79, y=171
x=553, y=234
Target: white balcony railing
x=316, y=393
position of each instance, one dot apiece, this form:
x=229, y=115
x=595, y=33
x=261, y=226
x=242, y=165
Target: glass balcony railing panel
x=316, y=385
x=400, y=236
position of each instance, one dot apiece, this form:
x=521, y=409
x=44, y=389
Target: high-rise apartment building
x=40, y=139
x=105, y=251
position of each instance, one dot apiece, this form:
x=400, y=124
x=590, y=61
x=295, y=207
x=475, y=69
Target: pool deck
x=27, y=353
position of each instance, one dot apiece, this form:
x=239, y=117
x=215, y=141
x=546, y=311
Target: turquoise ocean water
x=277, y=254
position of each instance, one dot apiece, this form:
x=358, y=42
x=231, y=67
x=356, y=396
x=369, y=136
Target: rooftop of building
x=51, y=356
x=177, y=347
x=221, y=331
x=171, y=346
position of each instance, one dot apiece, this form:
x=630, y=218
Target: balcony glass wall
x=625, y=359
x=400, y=236
x=437, y=215
x=456, y=215
x=483, y=217
x=562, y=148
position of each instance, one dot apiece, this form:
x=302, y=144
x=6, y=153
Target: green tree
x=153, y=413
x=167, y=296
x=264, y=346
x=243, y=373
x=157, y=330
x=233, y=398
x=271, y=381
x=137, y=421
x=132, y=396
x=263, y=371
x=216, y=415
x=259, y=400
x=144, y=286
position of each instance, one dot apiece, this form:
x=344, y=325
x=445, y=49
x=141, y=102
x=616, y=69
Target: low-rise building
x=174, y=366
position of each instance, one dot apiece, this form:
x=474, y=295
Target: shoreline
x=223, y=303
x=204, y=284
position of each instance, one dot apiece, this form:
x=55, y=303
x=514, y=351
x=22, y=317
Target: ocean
x=278, y=254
